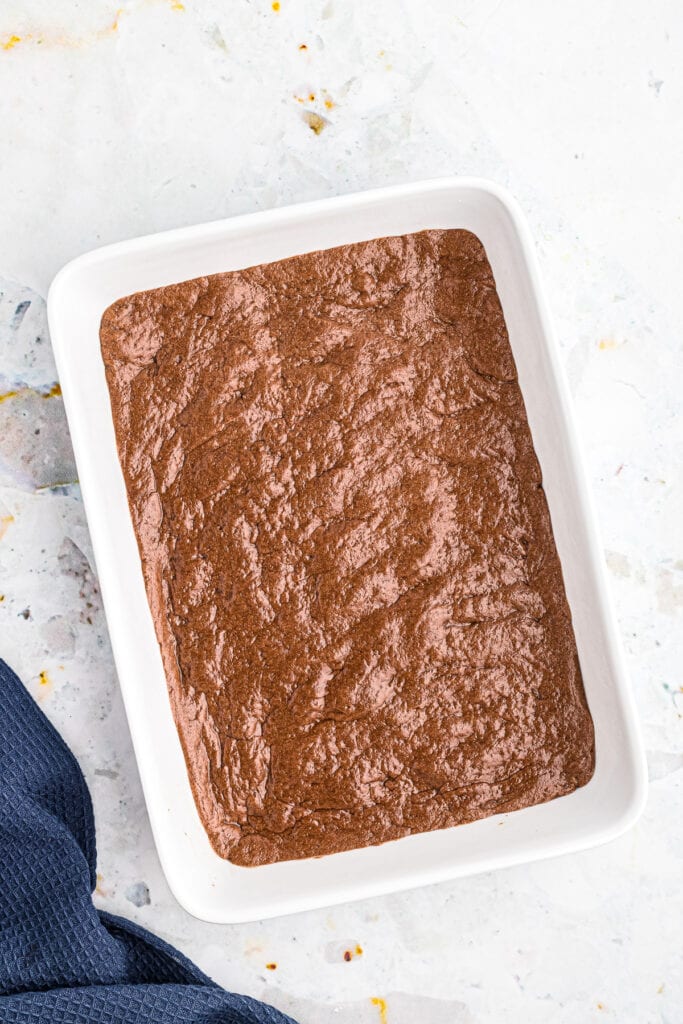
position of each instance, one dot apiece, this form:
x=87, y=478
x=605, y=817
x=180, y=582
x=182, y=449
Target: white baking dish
x=206, y=885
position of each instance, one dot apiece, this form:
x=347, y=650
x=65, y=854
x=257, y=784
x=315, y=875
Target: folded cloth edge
x=62, y=960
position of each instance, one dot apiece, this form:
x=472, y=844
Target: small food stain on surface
x=138, y=894
x=619, y=468
x=303, y=46
x=275, y=5
x=53, y=392
x=314, y=121
x=311, y=97
x=56, y=484
x=99, y=888
x=25, y=613
x=618, y=564
x=349, y=954
x=329, y=103
x=106, y=773
x=607, y=344
x=218, y=40
x=600, y=1006
x=44, y=685
x=660, y=989
x=381, y=1005
x=78, y=42
x=271, y=966
x=2, y=598
x=5, y=523
x=669, y=592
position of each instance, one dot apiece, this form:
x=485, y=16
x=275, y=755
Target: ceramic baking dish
x=206, y=885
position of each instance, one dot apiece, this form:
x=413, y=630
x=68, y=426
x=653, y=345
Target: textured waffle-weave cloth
x=61, y=959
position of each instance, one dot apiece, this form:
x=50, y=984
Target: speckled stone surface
x=123, y=118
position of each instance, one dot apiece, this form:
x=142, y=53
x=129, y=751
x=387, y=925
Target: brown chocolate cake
x=346, y=547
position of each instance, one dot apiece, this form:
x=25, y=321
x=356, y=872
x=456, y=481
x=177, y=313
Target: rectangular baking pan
x=207, y=886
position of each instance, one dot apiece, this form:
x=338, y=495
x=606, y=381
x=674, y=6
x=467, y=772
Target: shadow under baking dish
x=206, y=885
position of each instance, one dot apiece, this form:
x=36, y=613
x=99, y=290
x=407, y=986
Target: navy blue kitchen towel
x=61, y=960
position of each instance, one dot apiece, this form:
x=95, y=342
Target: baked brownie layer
x=346, y=547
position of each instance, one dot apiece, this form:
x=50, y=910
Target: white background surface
x=121, y=124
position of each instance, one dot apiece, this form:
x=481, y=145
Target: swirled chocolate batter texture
x=346, y=547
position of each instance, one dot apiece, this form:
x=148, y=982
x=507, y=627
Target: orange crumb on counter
x=329, y=103
x=44, y=686
x=54, y=392
x=5, y=523
x=381, y=1005
x=607, y=344
x=271, y=967
x=10, y=43
x=314, y=121
x=275, y=5
x=303, y=47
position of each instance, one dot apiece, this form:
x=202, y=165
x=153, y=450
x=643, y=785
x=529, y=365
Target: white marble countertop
x=125, y=117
